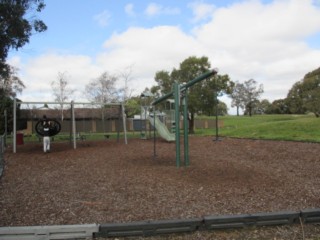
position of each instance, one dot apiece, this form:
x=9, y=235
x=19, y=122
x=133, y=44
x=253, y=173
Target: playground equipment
x=153, y=118
x=180, y=95
x=71, y=126
x=144, y=113
x=161, y=128
x=54, y=127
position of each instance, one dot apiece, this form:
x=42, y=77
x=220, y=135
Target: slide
x=162, y=129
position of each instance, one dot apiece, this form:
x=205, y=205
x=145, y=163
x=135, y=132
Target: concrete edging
x=150, y=228
x=48, y=232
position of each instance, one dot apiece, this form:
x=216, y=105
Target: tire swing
x=54, y=127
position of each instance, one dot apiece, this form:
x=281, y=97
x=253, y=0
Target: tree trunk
x=191, y=123
x=250, y=110
x=238, y=111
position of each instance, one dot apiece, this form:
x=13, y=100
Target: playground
x=110, y=181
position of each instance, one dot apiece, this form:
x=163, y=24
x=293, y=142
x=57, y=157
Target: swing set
x=73, y=114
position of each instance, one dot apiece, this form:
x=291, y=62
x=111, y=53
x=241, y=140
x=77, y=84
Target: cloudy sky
x=275, y=42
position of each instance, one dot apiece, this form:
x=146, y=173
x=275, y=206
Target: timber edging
x=151, y=228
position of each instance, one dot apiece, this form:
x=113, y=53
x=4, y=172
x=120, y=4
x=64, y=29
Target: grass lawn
x=275, y=127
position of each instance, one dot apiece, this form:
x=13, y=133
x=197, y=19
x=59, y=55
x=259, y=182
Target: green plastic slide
x=162, y=129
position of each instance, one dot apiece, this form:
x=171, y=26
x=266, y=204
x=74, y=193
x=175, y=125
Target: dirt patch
x=103, y=182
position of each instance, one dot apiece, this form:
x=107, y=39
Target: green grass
x=274, y=127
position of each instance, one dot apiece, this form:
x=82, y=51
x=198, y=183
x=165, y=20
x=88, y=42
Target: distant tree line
x=302, y=98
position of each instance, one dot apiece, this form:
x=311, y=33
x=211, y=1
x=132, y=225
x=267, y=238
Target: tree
x=10, y=87
x=261, y=107
x=251, y=93
x=304, y=95
x=222, y=108
x=132, y=106
x=311, y=92
x=211, y=91
x=10, y=84
x=15, y=28
x=102, y=89
x=279, y=106
x=61, y=91
x=311, y=95
x=237, y=95
x=126, y=77
x=295, y=99
x=201, y=95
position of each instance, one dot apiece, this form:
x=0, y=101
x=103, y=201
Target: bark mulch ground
x=109, y=182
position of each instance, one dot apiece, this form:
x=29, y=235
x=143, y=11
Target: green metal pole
x=165, y=97
x=199, y=78
x=177, y=121
x=185, y=129
x=154, y=133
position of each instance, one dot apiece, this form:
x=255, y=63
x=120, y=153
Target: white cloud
x=149, y=50
x=129, y=9
x=154, y=9
x=40, y=72
x=264, y=42
x=103, y=18
x=201, y=11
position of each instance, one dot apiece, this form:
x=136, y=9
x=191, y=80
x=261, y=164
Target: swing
x=54, y=127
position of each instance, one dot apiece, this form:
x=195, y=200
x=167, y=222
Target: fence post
x=73, y=126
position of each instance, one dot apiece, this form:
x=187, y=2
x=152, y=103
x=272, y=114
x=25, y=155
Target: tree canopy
x=102, y=89
x=304, y=96
x=15, y=28
x=246, y=96
x=10, y=85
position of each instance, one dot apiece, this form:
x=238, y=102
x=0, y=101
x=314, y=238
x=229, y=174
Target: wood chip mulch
x=110, y=182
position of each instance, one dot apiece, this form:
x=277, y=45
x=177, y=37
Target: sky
x=275, y=42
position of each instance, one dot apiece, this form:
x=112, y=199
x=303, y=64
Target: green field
x=274, y=127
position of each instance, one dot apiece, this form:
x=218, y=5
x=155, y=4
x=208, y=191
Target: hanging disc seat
x=54, y=127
